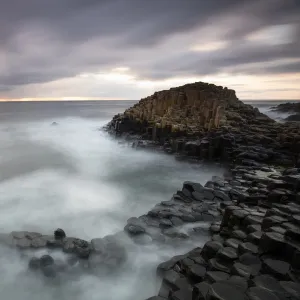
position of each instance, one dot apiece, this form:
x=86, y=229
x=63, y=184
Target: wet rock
x=244, y=270
x=214, y=276
x=168, y=265
x=200, y=291
x=38, y=242
x=51, y=242
x=227, y=254
x=142, y=239
x=255, y=237
x=221, y=195
x=239, y=234
x=210, y=249
x=223, y=291
x=196, y=272
x=272, y=242
x=233, y=243
x=59, y=234
x=135, y=226
x=216, y=265
x=292, y=288
x=182, y=294
x=34, y=263
x=239, y=282
x=46, y=260
x=267, y=282
x=247, y=247
x=249, y=259
x=253, y=228
x=77, y=246
x=279, y=269
x=258, y=293
x=49, y=271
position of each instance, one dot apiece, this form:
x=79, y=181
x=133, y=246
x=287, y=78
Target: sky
x=127, y=49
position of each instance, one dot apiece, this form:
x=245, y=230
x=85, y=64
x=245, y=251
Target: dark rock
x=292, y=288
x=244, y=270
x=279, y=269
x=223, y=291
x=135, y=226
x=34, y=263
x=272, y=242
x=59, y=234
x=182, y=294
x=233, y=243
x=255, y=237
x=215, y=265
x=253, y=228
x=247, y=247
x=258, y=293
x=49, y=271
x=210, y=249
x=240, y=282
x=46, y=260
x=267, y=282
x=249, y=259
x=217, y=238
x=168, y=265
x=196, y=272
x=227, y=254
x=239, y=234
x=200, y=291
x=214, y=276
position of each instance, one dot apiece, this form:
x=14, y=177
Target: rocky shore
x=250, y=217
x=292, y=108
x=254, y=210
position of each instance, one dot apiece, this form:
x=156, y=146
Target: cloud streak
x=46, y=44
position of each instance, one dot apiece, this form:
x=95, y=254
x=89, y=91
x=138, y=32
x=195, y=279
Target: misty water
x=75, y=177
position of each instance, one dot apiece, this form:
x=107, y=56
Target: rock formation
x=189, y=110
x=209, y=122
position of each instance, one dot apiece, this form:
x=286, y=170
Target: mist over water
x=75, y=177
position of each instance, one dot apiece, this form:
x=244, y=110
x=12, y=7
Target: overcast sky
x=127, y=49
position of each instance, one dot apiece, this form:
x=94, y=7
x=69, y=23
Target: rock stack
x=208, y=122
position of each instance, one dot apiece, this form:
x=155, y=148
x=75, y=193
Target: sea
x=58, y=169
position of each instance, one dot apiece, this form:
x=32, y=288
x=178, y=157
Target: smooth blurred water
x=75, y=177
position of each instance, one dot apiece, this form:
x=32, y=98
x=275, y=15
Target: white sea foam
x=75, y=177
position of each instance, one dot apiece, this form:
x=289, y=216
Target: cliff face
x=192, y=109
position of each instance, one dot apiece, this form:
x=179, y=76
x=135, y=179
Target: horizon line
x=107, y=99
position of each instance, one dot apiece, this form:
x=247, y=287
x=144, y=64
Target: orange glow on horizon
x=60, y=99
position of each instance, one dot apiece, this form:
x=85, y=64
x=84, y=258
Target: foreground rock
x=208, y=122
x=254, y=251
x=100, y=256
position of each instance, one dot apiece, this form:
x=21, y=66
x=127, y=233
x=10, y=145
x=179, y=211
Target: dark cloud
x=44, y=40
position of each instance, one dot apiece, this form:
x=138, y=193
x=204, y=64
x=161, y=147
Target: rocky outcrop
x=293, y=108
x=188, y=110
x=254, y=249
x=208, y=122
x=287, y=107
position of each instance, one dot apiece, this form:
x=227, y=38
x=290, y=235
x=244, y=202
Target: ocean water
x=75, y=177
